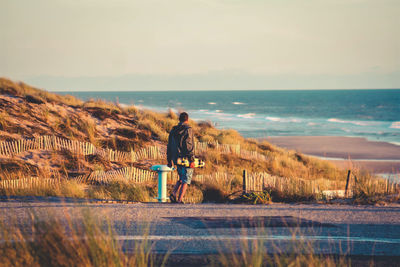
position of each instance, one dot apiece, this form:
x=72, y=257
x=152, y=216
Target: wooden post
x=347, y=183
x=244, y=181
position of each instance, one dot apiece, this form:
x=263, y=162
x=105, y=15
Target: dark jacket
x=180, y=143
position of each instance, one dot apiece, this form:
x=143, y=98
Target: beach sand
x=378, y=157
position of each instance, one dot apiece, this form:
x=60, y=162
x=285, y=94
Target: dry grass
x=104, y=105
x=88, y=127
x=120, y=190
x=58, y=242
x=87, y=240
x=255, y=253
x=4, y=117
x=22, y=89
x=47, y=187
x=371, y=190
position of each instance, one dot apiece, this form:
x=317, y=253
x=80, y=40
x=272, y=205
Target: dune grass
x=86, y=239
x=47, y=187
x=9, y=87
x=64, y=242
x=121, y=190
x=258, y=252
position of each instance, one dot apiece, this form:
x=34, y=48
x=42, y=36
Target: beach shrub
x=257, y=197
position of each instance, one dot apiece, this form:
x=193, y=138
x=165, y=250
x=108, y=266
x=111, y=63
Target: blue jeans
x=185, y=174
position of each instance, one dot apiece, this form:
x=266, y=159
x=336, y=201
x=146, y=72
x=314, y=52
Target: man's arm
x=169, y=150
x=190, y=145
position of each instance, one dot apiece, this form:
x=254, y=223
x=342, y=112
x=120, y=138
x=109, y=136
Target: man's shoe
x=172, y=198
x=180, y=202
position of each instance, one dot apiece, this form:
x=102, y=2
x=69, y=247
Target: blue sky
x=202, y=45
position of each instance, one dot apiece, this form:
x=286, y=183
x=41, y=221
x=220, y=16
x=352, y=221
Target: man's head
x=183, y=117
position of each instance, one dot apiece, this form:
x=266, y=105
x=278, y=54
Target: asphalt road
x=211, y=228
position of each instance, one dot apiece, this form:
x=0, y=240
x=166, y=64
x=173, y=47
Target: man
x=181, y=145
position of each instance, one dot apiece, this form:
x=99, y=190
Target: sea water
x=373, y=114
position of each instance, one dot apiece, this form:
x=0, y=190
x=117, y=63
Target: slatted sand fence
x=235, y=149
x=29, y=183
x=252, y=155
x=10, y=148
x=151, y=152
x=51, y=142
x=128, y=174
x=256, y=182
x=46, y=142
x=378, y=185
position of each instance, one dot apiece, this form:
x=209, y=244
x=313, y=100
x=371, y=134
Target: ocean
x=373, y=114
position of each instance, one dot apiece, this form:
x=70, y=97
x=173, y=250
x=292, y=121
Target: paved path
x=209, y=228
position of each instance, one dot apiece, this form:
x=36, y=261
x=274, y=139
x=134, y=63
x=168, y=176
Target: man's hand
x=191, y=165
x=169, y=164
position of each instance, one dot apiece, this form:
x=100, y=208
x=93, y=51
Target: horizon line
x=221, y=90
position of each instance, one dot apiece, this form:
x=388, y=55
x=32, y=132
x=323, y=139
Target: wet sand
x=378, y=157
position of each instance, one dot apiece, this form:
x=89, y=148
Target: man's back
x=180, y=143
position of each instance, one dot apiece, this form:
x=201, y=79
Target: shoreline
x=345, y=152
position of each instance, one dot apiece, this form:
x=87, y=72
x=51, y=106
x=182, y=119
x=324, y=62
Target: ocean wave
x=238, y=103
x=212, y=103
x=247, y=116
x=395, y=143
x=216, y=112
x=277, y=119
x=359, y=123
x=395, y=125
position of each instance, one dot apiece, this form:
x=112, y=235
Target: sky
x=201, y=44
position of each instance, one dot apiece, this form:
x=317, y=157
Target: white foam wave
x=359, y=123
x=238, y=103
x=395, y=125
x=247, y=116
x=212, y=103
x=140, y=101
x=273, y=118
x=277, y=119
x=216, y=112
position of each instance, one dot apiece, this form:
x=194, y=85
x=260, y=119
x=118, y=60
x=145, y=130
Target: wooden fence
x=236, y=149
x=130, y=174
x=10, y=148
x=29, y=183
x=257, y=182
